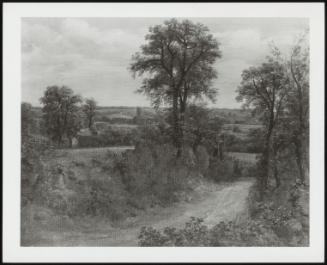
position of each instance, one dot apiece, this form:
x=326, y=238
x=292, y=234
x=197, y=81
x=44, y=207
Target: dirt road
x=215, y=203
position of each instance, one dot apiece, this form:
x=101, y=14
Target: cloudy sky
x=92, y=55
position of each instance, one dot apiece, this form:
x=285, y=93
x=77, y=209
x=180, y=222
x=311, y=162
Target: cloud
x=92, y=55
x=76, y=54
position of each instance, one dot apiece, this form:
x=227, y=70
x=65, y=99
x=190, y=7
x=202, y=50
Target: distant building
x=74, y=142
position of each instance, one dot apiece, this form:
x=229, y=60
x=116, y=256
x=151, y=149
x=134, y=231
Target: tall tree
x=178, y=62
x=264, y=89
x=89, y=108
x=298, y=101
x=61, y=113
x=293, y=130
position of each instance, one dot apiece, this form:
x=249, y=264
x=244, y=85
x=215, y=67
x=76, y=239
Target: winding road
x=215, y=203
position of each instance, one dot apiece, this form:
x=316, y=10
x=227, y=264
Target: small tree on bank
x=293, y=130
x=298, y=102
x=61, y=113
x=264, y=89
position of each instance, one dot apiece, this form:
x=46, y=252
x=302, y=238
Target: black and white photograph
x=167, y=131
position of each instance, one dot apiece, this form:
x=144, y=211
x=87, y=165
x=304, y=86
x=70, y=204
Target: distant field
x=238, y=116
x=242, y=129
x=243, y=126
x=94, y=151
x=101, y=125
x=234, y=117
x=246, y=157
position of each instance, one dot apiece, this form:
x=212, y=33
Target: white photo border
x=13, y=252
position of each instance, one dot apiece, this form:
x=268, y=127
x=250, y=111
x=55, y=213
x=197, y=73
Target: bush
x=64, y=194
x=154, y=173
x=33, y=150
x=272, y=227
x=203, y=159
x=193, y=234
x=236, y=129
x=224, y=170
x=237, y=170
x=154, y=133
x=270, y=223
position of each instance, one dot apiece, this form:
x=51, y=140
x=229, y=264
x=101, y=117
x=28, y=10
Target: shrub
x=194, y=233
x=151, y=237
x=33, y=150
x=277, y=231
x=64, y=194
x=203, y=158
x=236, y=129
x=221, y=170
x=237, y=170
x=153, y=133
x=154, y=172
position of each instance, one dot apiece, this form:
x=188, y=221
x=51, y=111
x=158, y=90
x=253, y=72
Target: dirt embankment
x=208, y=200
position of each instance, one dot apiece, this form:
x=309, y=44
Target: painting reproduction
x=165, y=131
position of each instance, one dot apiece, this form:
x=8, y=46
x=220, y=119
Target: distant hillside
x=122, y=114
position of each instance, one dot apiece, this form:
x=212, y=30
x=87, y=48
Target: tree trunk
x=221, y=151
x=59, y=141
x=70, y=142
x=196, y=143
x=299, y=150
x=276, y=176
x=176, y=124
x=216, y=150
x=267, y=155
x=299, y=159
x=266, y=163
x=299, y=138
x=182, y=110
x=90, y=122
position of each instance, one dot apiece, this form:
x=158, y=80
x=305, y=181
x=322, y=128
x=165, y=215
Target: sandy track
x=224, y=202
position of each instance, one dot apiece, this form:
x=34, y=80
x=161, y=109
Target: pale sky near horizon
x=92, y=55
